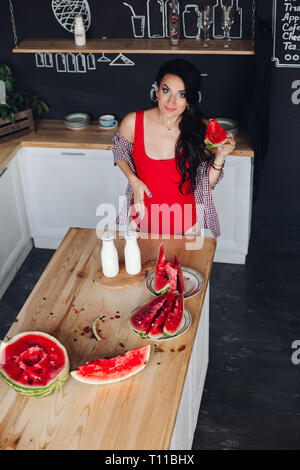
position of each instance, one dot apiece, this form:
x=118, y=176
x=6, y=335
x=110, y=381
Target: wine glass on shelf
x=227, y=22
x=206, y=21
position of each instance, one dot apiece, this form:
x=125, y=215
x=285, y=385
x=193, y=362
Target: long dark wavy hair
x=190, y=144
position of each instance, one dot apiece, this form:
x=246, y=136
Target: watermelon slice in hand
x=215, y=134
x=106, y=371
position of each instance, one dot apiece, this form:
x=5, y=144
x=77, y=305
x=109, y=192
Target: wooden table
x=156, y=408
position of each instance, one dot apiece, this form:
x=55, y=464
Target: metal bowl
x=228, y=124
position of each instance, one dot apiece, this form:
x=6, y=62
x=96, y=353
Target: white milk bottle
x=109, y=255
x=132, y=253
x=79, y=31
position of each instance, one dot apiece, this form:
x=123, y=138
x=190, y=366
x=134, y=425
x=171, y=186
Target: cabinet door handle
x=3, y=171
x=82, y=154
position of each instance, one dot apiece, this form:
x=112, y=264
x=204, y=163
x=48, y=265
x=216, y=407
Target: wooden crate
x=23, y=125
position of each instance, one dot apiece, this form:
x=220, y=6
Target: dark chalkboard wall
x=117, y=89
x=244, y=88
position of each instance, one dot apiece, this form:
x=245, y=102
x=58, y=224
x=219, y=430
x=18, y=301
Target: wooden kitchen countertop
x=53, y=133
x=136, y=413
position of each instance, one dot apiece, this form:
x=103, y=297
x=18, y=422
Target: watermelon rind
x=33, y=390
x=92, y=379
x=211, y=145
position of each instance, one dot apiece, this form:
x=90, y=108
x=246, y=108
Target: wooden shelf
x=136, y=46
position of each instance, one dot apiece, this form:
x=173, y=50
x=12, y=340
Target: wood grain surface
x=135, y=46
x=137, y=413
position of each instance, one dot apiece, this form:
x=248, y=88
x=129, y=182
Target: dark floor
x=252, y=390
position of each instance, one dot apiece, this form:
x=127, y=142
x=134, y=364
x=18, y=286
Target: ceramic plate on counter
x=105, y=128
x=77, y=120
x=228, y=124
x=193, y=282
x=187, y=324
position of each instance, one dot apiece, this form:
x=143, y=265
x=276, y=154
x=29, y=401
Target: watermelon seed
x=172, y=350
x=158, y=363
x=117, y=316
x=181, y=348
x=75, y=339
x=123, y=346
x=86, y=329
x=51, y=313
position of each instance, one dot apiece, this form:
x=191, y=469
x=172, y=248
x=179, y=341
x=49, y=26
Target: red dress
x=168, y=211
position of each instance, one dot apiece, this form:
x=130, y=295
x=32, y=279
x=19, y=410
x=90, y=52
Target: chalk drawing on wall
x=103, y=58
x=155, y=10
x=66, y=10
x=191, y=21
x=91, y=62
x=137, y=22
x=39, y=59
x=48, y=59
x=71, y=62
x=121, y=60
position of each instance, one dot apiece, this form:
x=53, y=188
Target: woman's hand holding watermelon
x=225, y=149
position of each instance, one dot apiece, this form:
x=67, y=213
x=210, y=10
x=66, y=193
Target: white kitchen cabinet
x=233, y=201
x=15, y=241
x=64, y=187
x=188, y=411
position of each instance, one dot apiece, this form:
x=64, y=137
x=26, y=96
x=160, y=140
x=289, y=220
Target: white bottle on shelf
x=109, y=255
x=79, y=31
x=132, y=254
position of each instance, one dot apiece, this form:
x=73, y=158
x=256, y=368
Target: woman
x=162, y=153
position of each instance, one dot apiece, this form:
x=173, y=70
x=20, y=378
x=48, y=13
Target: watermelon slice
x=171, y=270
x=161, y=281
x=107, y=371
x=175, y=320
x=180, y=280
x=157, y=326
x=34, y=364
x=168, y=276
x=143, y=317
x=215, y=134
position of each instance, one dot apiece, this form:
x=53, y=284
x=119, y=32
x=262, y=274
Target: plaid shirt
x=205, y=209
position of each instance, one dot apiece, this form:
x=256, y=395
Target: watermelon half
x=175, y=320
x=215, y=134
x=106, y=371
x=34, y=364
